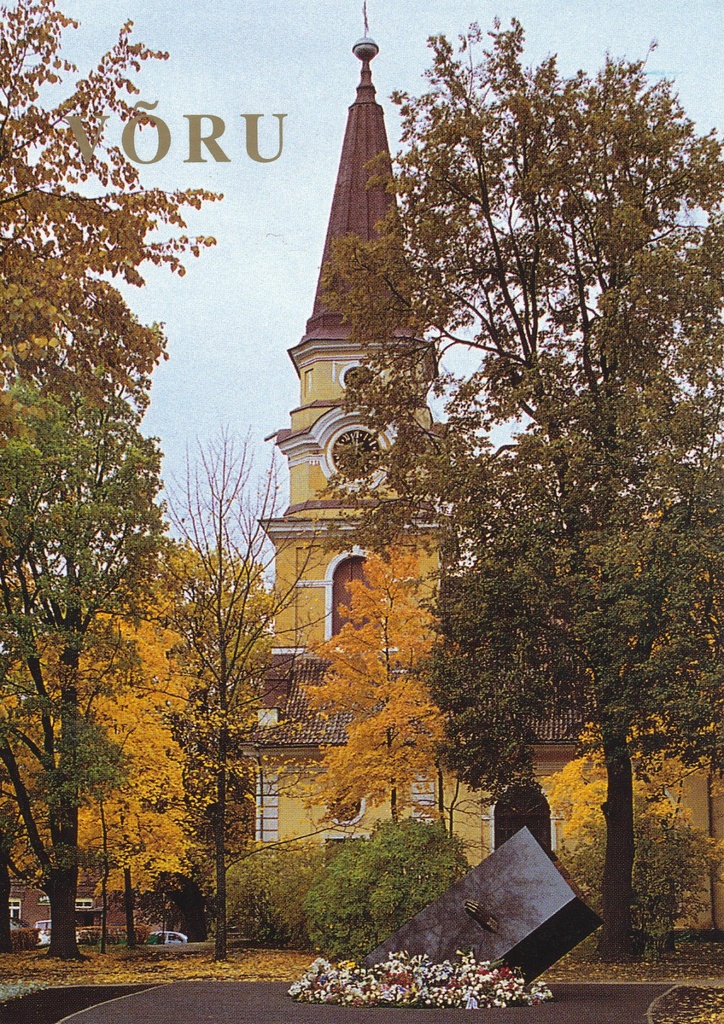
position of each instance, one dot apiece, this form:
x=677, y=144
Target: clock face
x=355, y=453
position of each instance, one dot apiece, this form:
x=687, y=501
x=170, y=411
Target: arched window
x=351, y=568
x=523, y=806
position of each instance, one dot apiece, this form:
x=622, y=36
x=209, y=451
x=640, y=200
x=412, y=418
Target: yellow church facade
x=317, y=554
x=316, y=550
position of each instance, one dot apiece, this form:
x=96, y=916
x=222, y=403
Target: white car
x=167, y=938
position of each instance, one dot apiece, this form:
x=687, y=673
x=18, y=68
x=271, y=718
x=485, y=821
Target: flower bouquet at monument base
x=416, y=981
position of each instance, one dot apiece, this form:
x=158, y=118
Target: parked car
x=167, y=938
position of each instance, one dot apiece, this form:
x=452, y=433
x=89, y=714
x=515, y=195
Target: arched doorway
x=523, y=806
x=351, y=568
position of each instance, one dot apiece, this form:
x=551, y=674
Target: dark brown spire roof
x=356, y=209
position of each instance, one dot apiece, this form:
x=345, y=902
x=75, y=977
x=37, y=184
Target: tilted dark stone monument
x=514, y=906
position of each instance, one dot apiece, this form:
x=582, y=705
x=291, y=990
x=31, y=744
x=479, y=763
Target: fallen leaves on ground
x=690, y=1005
x=690, y=961
x=150, y=965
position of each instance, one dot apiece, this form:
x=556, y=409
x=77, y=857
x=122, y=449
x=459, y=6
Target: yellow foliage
x=145, y=817
x=71, y=227
x=154, y=965
x=578, y=790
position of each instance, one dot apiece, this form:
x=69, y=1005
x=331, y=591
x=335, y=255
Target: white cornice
x=292, y=528
x=323, y=350
x=316, y=441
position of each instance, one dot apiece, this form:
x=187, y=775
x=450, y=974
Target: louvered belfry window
x=350, y=569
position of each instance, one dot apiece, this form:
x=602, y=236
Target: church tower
x=323, y=434
x=317, y=551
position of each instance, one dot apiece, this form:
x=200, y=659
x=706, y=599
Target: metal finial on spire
x=365, y=49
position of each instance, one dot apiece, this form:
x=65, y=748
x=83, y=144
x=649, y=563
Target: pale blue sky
x=232, y=317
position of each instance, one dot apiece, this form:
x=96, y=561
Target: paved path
x=224, y=1002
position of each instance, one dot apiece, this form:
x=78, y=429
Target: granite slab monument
x=514, y=906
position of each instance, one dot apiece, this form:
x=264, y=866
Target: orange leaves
x=153, y=964
x=145, y=815
x=374, y=676
x=62, y=319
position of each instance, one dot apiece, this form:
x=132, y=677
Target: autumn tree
x=69, y=226
x=672, y=853
x=81, y=531
x=137, y=830
x=373, y=679
x=565, y=233
x=223, y=610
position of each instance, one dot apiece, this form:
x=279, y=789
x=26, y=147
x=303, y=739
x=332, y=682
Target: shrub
x=672, y=861
x=372, y=887
x=23, y=938
x=266, y=894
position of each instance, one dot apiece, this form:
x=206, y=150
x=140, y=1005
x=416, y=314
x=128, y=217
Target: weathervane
x=364, y=15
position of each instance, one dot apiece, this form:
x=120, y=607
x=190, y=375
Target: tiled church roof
x=563, y=725
x=300, y=726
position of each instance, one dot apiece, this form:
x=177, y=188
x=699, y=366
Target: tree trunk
x=6, y=942
x=104, y=881
x=128, y=907
x=220, y=951
x=61, y=880
x=61, y=887
x=617, y=892
x=451, y=809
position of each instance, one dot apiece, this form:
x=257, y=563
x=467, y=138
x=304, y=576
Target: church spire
x=355, y=208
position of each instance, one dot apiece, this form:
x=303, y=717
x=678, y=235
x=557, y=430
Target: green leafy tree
x=566, y=234
x=374, y=886
x=81, y=530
